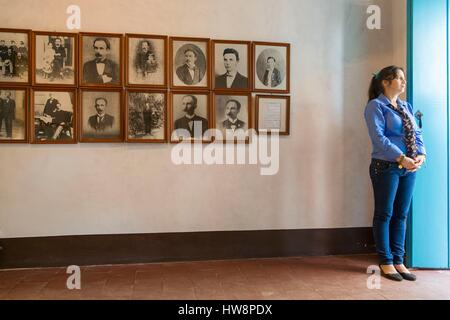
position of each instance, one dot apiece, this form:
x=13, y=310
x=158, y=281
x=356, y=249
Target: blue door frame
x=428, y=90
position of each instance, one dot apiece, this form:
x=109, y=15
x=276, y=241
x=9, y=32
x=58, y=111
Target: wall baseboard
x=187, y=246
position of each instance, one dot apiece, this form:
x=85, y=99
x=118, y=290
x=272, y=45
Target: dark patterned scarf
x=410, y=133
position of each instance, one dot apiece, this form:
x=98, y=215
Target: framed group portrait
x=271, y=62
x=101, y=59
x=232, y=116
x=146, y=60
x=190, y=116
x=13, y=114
x=55, y=60
x=146, y=116
x=53, y=112
x=15, y=56
x=231, y=65
x=101, y=115
x=272, y=113
x=189, y=59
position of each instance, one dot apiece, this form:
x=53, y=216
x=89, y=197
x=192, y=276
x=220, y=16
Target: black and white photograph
x=13, y=114
x=190, y=63
x=231, y=65
x=190, y=116
x=54, y=116
x=232, y=115
x=146, y=60
x=14, y=56
x=101, y=116
x=101, y=59
x=55, y=58
x=272, y=113
x=271, y=65
x=146, y=116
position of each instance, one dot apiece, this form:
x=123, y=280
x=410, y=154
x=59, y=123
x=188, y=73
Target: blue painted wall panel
x=428, y=91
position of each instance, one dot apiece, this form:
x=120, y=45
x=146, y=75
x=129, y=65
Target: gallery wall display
x=13, y=114
x=272, y=113
x=146, y=60
x=101, y=59
x=232, y=116
x=190, y=116
x=55, y=59
x=61, y=87
x=231, y=65
x=190, y=63
x=146, y=116
x=101, y=116
x=53, y=112
x=271, y=67
x=15, y=56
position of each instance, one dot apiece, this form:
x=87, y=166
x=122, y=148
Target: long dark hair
x=376, y=87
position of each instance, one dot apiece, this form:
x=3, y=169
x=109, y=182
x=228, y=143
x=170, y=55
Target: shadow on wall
x=365, y=51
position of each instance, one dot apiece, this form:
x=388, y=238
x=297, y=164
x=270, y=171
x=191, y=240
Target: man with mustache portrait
x=101, y=70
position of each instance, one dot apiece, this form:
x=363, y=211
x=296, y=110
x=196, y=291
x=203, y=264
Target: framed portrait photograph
x=15, y=57
x=13, y=114
x=231, y=65
x=53, y=112
x=146, y=116
x=189, y=58
x=272, y=113
x=232, y=116
x=190, y=116
x=55, y=58
x=146, y=60
x=271, y=67
x=101, y=59
x=101, y=115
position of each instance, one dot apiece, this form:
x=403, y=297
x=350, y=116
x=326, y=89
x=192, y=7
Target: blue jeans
x=393, y=189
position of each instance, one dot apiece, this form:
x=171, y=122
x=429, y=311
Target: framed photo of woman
x=55, y=58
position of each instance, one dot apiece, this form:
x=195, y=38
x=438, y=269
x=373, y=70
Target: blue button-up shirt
x=386, y=129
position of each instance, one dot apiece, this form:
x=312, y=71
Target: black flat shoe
x=392, y=276
x=408, y=276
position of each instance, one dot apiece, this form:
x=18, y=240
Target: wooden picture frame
x=16, y=116
x=147, y=120
x=271, y=58
x=49, y=64
x=112, y=70
x=147, y=69
x=24, y=76
x=227, y=56
x=176, y=101
x=48, y=125
x=272, y=116
x=110, y=129
x=222, y=121
x=182, y=49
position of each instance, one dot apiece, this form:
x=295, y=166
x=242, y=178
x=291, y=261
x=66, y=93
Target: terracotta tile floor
x=331, y=277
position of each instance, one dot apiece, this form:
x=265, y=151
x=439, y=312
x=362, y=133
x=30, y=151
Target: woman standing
x=398, y=152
